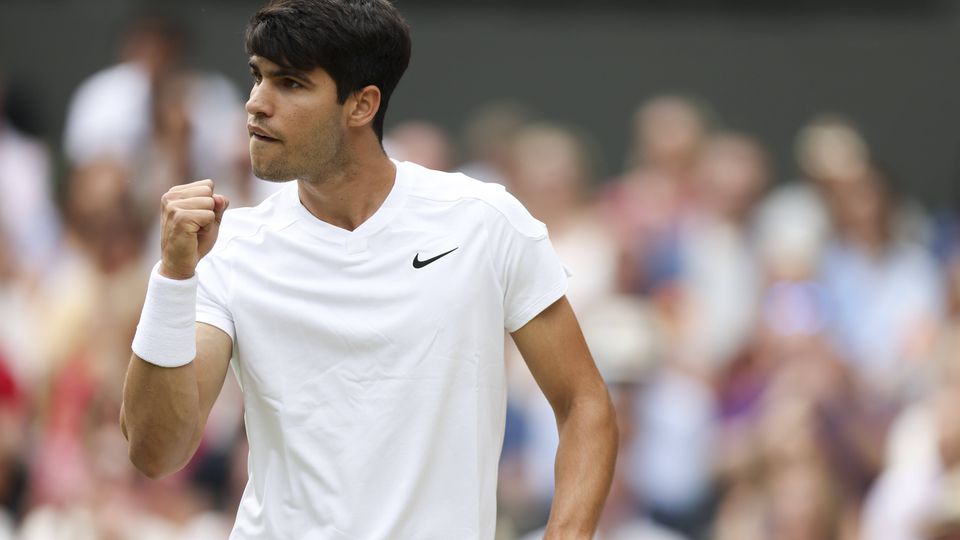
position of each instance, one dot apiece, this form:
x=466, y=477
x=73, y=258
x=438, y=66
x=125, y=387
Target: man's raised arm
x=554, y=349
x=178, y=366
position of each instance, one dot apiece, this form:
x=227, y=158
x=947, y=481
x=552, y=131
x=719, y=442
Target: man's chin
x=272, y=175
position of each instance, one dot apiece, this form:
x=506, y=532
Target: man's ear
x=362, y=106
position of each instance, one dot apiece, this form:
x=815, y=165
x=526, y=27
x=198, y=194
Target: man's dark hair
x=357, y=42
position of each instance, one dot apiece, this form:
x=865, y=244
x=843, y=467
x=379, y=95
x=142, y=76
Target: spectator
x=719, y=277
x=487, y=137
x=655, y=194
x=884, y=289
x=914, y=498
x=161, y=122
x=422, y=143
x=28, y=215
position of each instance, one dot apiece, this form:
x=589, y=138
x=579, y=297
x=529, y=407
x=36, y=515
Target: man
x=364, y=305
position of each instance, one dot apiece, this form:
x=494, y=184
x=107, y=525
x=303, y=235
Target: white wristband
x=166, y=335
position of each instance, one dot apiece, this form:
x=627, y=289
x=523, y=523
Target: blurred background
x=758, y=203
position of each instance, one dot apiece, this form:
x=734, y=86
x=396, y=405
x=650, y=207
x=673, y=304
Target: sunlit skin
x=298, y=131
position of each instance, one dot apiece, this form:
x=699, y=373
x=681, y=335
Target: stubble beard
x=326, y=153
x=276, y=173
x=271, y=170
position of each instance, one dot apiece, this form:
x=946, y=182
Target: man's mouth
x=260, y=134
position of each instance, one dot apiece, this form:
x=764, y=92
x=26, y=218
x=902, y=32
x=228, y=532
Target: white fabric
x=904, y=496
x=673, y=456
x=792, y=227
x=217, y=128
x=166, y=333
x=879, y=304
x=28, y=215
x=374, y=391
x=109, y=116
x=720, y=277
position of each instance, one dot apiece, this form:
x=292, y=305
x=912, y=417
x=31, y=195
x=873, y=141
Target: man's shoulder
x=272, y=213
x=454, y=188
x=440, y=186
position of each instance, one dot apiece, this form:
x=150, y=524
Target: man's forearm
x=584, y=468
x=160, y=416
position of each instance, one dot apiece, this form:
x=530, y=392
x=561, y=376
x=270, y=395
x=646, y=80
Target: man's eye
x=290, y=83
x=255, y=77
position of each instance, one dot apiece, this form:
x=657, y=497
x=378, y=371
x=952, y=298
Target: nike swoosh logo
x=417, y=263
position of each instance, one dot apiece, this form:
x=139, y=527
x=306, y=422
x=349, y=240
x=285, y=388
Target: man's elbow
x=608, y=420
x=151, y=464
x=150, y=469
x=156, y=461
x=594, y=410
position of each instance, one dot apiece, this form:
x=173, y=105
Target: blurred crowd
x=783, y=353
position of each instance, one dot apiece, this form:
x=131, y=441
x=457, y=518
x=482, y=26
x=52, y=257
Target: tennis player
x=363, y=306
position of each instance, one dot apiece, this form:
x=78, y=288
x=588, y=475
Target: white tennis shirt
x=371, y=361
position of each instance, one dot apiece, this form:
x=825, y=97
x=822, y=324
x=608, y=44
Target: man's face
x=295, y=124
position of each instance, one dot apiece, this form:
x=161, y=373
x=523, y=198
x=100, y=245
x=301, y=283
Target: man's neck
x=349, y=195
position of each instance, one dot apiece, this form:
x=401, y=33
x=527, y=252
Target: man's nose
x=259, y=103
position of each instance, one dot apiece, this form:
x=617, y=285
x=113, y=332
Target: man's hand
x=190, y=220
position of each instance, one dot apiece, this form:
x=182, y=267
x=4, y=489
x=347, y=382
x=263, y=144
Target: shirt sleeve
x=213, y=293
x=532, y=275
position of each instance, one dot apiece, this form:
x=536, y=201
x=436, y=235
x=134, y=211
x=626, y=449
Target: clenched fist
x=189, y=222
